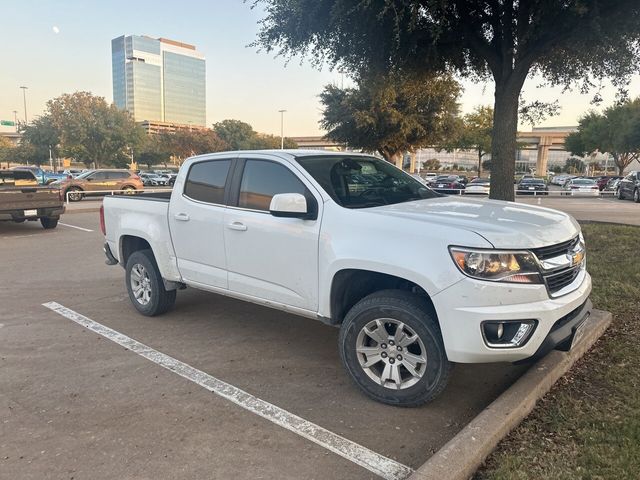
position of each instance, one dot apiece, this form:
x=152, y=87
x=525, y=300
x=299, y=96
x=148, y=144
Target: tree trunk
x=479, y=163
x=503, y=139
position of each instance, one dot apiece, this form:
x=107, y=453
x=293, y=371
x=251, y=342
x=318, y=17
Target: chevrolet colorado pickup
x=23, y=198
x=414, y=279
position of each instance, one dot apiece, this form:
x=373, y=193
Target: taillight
x=103, y=229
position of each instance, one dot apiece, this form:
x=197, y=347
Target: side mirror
x=292, y=205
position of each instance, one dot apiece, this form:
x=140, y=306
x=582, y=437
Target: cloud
x=55, y=29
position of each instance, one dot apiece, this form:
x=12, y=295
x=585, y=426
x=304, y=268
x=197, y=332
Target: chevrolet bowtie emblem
x=576, y=257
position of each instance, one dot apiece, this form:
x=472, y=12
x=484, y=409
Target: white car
x=414, y=280
x=581, y=186
x=478, y=186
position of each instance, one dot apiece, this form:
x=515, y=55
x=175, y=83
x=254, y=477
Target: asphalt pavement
x=78, y=404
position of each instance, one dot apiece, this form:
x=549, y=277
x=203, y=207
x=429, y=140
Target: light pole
x=15, y=119
x=281, y=129
x=24, y=99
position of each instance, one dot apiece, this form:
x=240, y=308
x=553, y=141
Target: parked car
x=430, y=176
x=152, y=179
x=612, y=185
x=604, y=180
x=581, y=186
x=561, y=179
x=448, y=184
x=478, y=186
x=629, y=187
x=23, y=198
x=491, y=283
x=532, y=186
x=74, y=172
x=44, y=177
x=100, y=181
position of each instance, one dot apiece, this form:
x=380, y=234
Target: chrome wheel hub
x=141, y=284
x=391, y=353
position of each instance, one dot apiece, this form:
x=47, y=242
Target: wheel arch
x=350, y=285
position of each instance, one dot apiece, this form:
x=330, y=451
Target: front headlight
x=497, y=266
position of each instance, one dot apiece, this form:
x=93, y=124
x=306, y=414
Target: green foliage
x=391, y=114
x=37, y=138
x=573, y=165
x=7, y=150
x=239, y=135
x=568, y=42
x=616, y=131
x=431, y=164
x=186, y=143
x=92, y=131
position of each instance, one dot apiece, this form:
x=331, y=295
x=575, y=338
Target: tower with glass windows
x=159, y=80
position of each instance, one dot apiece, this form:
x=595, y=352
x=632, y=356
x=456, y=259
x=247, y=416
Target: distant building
x=159, y=80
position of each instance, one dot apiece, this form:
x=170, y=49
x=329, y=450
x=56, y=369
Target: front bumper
x=461, y=324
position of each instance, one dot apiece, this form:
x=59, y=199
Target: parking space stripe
x=372, y=461
x=73, y=226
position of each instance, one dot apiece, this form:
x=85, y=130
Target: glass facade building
x=157, y=79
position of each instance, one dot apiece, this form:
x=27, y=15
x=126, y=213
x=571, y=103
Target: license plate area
x=30, y=213
x=579, y=331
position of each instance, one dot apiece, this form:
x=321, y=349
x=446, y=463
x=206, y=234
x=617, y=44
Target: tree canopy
x=240, y=135
x=616, y=131
x=391, y=114
x=92, y=131
x=569, y=42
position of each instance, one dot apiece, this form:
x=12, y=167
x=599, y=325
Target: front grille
x=559, y=279
x=555, y=250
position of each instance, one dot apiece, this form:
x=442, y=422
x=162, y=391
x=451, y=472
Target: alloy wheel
x=391, y=353
x=141, y=284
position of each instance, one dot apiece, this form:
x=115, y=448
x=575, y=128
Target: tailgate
x=26, y=198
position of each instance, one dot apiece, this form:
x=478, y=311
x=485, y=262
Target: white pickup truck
x=415, y=280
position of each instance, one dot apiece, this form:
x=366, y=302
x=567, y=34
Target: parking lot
x=77, y=404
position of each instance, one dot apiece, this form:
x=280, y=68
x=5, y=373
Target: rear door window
x=206, y=181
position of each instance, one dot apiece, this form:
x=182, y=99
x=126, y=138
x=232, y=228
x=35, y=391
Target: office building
x=159, y=80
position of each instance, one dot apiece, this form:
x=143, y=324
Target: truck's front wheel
x=145, y=285
x=393, y=350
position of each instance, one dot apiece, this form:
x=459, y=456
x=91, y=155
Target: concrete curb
x=463, y=454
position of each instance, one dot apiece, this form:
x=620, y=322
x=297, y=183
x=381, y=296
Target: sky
x=62, y=46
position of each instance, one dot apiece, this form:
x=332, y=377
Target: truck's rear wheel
x=393, y=350
x=145, y=285
x=48, y=222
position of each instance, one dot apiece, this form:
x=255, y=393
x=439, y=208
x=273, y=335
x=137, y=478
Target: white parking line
x=372, y=461
x=73, y=226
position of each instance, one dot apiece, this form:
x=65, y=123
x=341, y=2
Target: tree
x=616, y=131
x=92, y=131
x=7, y=151
x=477, y=128
x=573, y=165
x=566, y=42
x=432, y=164
x=37, y=138
x=152, y=151
x=486, y=164
x=391, y=114
x=241, y=136
x=186, y=143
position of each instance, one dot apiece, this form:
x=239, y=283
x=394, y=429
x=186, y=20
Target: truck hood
x=503, y=224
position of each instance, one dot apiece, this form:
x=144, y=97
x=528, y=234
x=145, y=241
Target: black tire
x=161, y=300
x=414, y=312
x=49, y=223
x=73, y=193
x=636, y=195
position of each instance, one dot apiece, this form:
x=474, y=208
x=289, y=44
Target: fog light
x=507, y=334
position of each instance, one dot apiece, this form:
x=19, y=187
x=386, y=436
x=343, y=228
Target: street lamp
x=24, y=99
x=281, y=129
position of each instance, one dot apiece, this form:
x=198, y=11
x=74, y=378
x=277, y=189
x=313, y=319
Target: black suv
x=629, y=187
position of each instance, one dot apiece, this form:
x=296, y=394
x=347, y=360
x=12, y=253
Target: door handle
x=241, y=227
x=183, y=217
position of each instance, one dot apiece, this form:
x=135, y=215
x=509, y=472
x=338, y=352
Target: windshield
x=361, y=182
x=480, y=180
x=584, y=181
